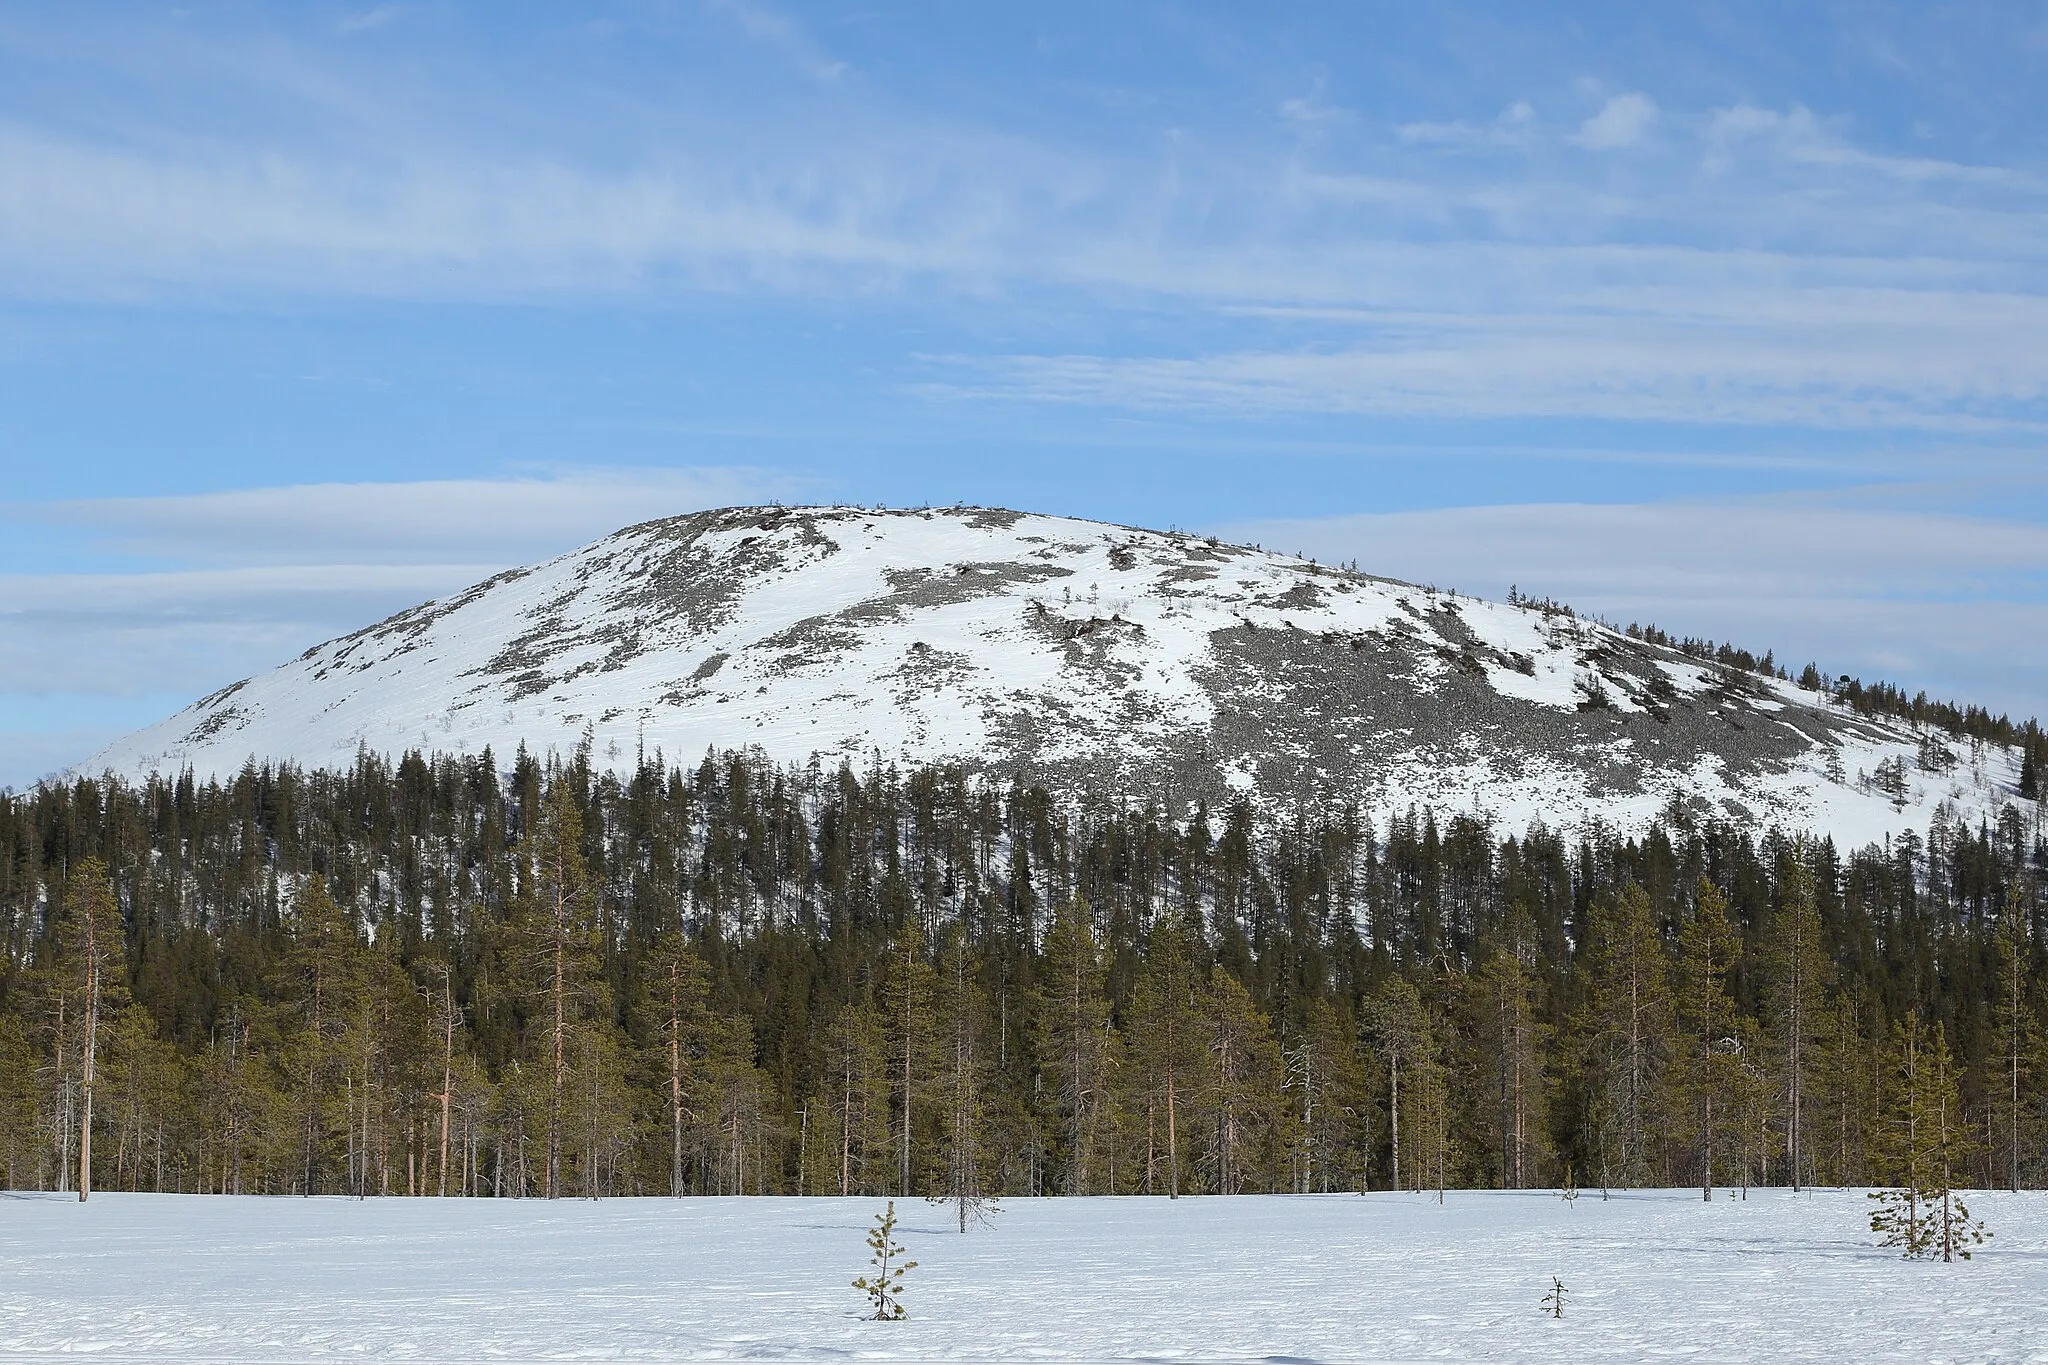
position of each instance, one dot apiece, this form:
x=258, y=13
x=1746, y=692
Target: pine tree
x=673, y=1009
x=1071, y=1028
x=1626, y=1031
x=1706, y=1068
x=1922, y=1144
x=1167, y=1052
x=1245, y=1073
x=324, y=966
x=2017, y=1033
x=94, y=955
x=561, y=942
x=884, y=1283
x=907, y=1006
x=963, y=1011
x=1508, y=1013
x=1400, y=1032
x=1796, y=974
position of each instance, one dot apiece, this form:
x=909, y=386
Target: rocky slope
x=1155, y=665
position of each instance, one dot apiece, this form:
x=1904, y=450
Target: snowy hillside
x=1153, y=664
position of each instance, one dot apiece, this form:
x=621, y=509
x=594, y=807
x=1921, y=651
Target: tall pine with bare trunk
x=1796, y=976
x=95, y=956
x=1706, y=1069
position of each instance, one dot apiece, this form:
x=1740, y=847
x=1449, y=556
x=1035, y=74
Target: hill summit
x=1143, y=664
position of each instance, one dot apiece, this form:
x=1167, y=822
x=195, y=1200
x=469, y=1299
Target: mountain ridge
x=1156, y=664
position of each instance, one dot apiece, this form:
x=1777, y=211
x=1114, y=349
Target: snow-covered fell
x=1145, y=664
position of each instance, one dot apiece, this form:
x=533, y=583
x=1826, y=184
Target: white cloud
x=1951, y=602
x=777, y=30
x=370, y=19
x=1841, y=359
x=1515, y=126
x=473, y=521
x=1622, y=122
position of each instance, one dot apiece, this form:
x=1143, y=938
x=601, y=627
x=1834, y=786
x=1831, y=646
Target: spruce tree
x=851, y=1154
x=1326, y=1075
x=1844, y=1083
x=730, y=1097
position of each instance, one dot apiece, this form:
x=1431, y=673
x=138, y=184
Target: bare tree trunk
x=675, y=1100
x=92, y=1028
x=1394, y=1112
x=909, y=1005
x=313, y=1075
x=560, y=1078
x=447, y=1072
x=1172, y=1141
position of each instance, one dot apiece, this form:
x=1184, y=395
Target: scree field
x=1331, y=1277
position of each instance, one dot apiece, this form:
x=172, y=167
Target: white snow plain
x=1649, y=1274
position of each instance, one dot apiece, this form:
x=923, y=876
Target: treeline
x=437, y=978
x=1959, y=720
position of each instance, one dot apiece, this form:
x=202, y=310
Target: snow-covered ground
x=1337, y=1277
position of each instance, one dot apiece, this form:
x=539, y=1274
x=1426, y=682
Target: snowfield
x=1325, y=1278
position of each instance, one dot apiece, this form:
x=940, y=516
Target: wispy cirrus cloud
x=239, y=581
x=478, y=521
x=1854, y=360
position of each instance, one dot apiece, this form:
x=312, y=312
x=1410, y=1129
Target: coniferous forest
x=444, y=978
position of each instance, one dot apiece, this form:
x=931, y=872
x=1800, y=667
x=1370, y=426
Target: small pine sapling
x=1553, y=1302
x=1923, y=1144
x=884, y=1284
x=1570, y=1192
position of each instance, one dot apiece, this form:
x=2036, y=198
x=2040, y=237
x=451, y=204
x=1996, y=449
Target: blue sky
x=1732, y=318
